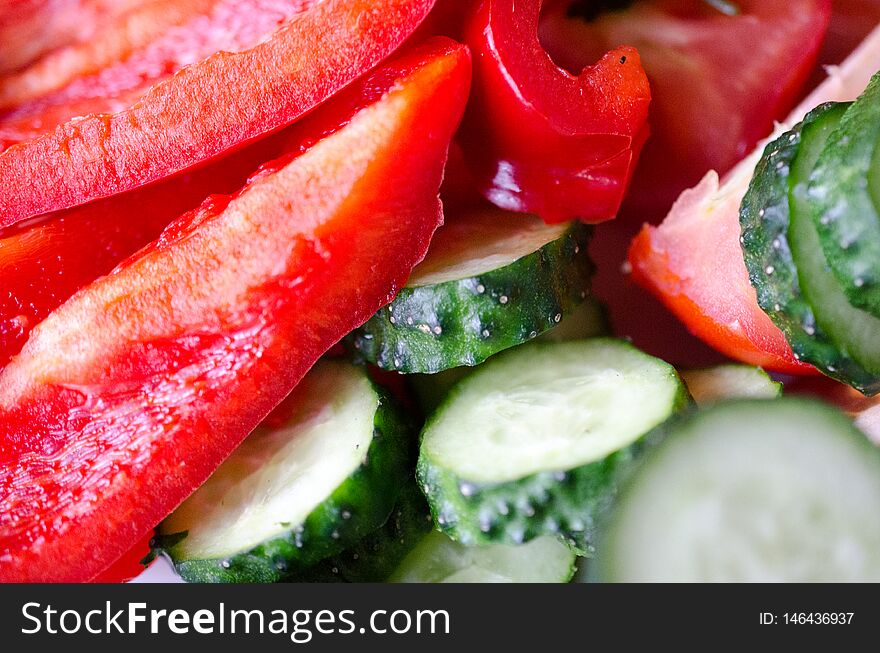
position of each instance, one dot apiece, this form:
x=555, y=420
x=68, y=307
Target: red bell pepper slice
x=206, y=109
x=44, y=263
x=129, y=565
x=126, y=398
x=130, y=52
x=539, y=139
x=718, y=81
x=31, y=28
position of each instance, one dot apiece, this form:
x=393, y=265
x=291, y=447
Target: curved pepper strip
x=31, y=28
x=126, y=55
x=693, y=261
x=537, y=138
x=44, y=263
x=126, y=398
x=206, y=109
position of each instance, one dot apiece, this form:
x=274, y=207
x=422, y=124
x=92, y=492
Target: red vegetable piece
x=129, y=565
x=694, y=264
x=693, y=261
x=539, y=139
x=718, y=81
x=206, y=109
x=44, y=263
x=126, y=398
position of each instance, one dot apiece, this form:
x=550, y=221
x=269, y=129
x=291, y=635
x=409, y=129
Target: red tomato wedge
x=693, y=261
x=717, y=81
x=204, y=110
x=127, y=397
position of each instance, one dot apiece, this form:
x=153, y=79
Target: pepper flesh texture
x=693, y=261
x=44, y=263
x=32, y=28
x=539, y=139
x=143, y=46
x=128, y=397
x=718, y=81
x=171, y=129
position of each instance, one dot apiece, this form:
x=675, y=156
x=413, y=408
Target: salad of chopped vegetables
x=420, y=291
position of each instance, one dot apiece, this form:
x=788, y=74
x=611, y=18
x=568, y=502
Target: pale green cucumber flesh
x=294, y=494
x=842, y=201
x=461, y=321
x=751, y=491
x=855, y=333
x=732, y=381
x=534, y=442
x=588, y=320
x=438, y=559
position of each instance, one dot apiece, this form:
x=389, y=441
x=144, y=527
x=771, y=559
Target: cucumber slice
x=376, y=556
x=843, y=191
x=490, y=282
x=854, y=333
x=765, y=219
x=588, y=320
x=535, y=442
x=729, y=382
x=438, y=559
x=295, y=494
x=750, y=490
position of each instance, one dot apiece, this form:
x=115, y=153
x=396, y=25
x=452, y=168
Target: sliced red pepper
x=44, y=263
x=126, y=398
x=129, y=565
x=718, y=81
x=131, y=52
x=539, y=139
x=206, y=109
x=31, y=28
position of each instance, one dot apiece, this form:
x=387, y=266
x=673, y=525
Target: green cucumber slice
x=854, y=333
x=490, y=282
x=295, y=494
x=377, y=555
x=588, y=320
x=843, y=191
x=438, y=559
x=535, y=441
x=714, y=384
x=750, y=490
x=765, y=219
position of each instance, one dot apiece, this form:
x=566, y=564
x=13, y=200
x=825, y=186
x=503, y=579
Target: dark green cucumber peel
x=375, y=557
x=566, y=503
x=355, y=509
x=843, y=202
x=589, y=320
x=432, y=328
x=765, y=215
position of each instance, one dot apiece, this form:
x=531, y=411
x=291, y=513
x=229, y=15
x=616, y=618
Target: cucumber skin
x=431, y=389
x=765, y=215
x=535, y=290
x=844, y=212
x=568, y=504
x=367, y=496
x=374, y=558
x=682, y=425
